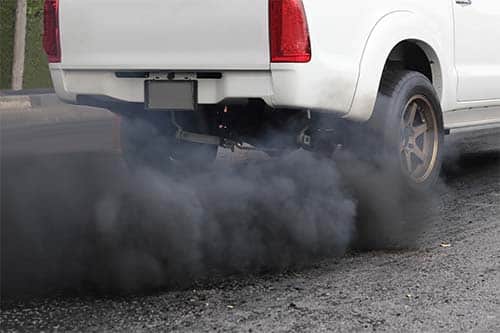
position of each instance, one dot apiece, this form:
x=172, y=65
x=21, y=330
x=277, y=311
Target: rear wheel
x=404, y=148
x=148, y=140
x=408, y=122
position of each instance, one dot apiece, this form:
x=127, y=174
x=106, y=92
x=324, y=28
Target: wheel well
x=416, y=56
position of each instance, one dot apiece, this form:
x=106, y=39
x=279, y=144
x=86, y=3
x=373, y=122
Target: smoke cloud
x=84, y=221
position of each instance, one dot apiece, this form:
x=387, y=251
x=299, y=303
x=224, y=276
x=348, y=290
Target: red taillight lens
x=289, y=33
x=51, y=42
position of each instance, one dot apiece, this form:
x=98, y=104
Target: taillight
x=289, y=33
x=51, y=42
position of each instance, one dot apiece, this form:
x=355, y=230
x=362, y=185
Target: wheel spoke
x=418, y=169
x=419, y=130
x=409, y=163
x=419, y=153
x=412, y=114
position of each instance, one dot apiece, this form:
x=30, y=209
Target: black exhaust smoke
x=84, y=221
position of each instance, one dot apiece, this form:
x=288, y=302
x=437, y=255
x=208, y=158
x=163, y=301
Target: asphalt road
x=63, y=269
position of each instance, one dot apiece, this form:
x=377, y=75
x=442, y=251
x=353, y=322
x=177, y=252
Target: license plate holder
x=163, y=95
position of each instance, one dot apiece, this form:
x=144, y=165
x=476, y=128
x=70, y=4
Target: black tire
x=394, y=206
x=148, y=141
x=408, y=125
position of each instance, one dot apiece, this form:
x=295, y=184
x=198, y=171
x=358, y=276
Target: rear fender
x=389, y=31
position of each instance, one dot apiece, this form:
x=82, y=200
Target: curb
x=22, y=102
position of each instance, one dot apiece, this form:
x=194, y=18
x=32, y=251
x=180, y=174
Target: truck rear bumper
x=233, y=84
x=286, y=86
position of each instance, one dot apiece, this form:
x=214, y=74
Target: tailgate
x=164, y=34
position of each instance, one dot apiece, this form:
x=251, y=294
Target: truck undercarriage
x=249, y=124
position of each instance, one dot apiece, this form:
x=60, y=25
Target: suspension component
x=207, y=139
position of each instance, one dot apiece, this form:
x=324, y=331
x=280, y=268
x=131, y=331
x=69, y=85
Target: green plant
x=36, y=73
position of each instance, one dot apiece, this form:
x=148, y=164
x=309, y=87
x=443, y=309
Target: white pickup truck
x=203, y=73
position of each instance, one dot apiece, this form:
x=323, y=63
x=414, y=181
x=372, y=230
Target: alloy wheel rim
x=419, y=139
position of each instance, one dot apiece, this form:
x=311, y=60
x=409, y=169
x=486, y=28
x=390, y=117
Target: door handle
x=464, y=2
